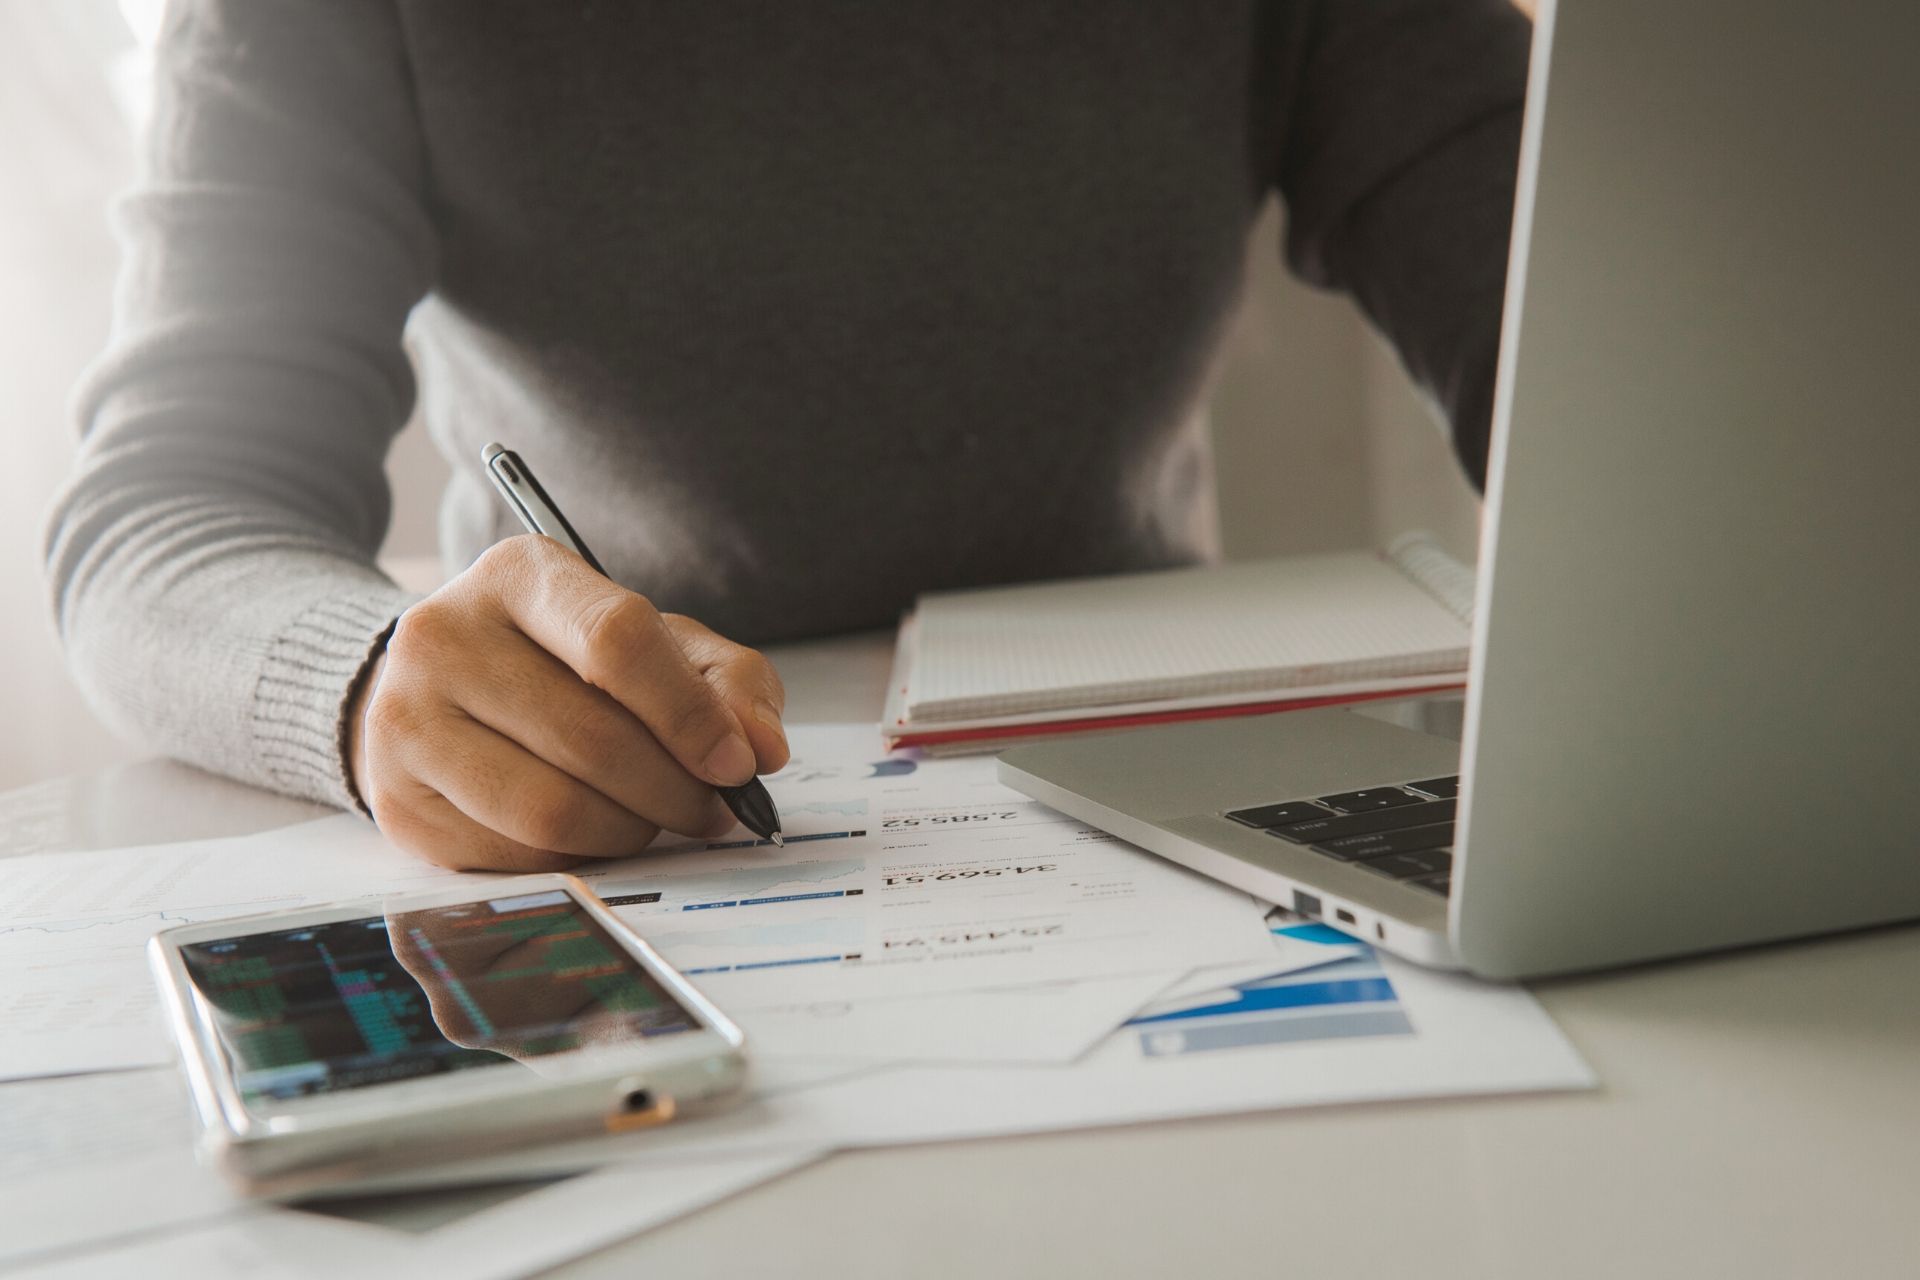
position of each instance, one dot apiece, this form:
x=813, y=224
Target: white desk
x=1759, y=1117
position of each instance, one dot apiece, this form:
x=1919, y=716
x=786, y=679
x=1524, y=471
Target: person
x=802, y=308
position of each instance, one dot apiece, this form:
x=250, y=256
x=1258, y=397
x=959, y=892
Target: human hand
x=532, y=713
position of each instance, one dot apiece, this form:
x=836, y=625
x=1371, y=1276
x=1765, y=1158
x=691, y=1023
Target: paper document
x=1362, y=1028
x=523, y=1234
x=72, y=1146
x=1048, y=1022
x=98, y=1177
x=907, y=877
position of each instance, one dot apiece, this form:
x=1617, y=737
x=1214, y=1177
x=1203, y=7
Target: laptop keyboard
x=1404, y=833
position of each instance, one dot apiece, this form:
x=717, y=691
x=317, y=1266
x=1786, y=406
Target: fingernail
x=731, y=762
x=766, y=715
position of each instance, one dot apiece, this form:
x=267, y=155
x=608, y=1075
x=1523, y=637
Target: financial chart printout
x=903, y=876
x=336, y=1006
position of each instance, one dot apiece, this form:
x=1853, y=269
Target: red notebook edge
x=1140, y=719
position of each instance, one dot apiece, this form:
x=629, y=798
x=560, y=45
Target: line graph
x=855, y=808
x=145, y=925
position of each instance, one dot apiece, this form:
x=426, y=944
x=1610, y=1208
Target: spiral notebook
x=976, y=670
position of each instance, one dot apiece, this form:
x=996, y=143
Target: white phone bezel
x=712, y=1053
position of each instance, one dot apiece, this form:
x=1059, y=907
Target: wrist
x=353, y=727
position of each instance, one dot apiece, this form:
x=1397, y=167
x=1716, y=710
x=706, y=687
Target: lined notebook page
x=1248, y=628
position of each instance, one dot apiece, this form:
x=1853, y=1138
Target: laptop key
x=1279, y=815
x=1410, y=866
x=1346, y=855
x=1374, y=843
x=1440, y=788
x=1441, y=860
x=1442, y=885
x=1332, y=827
x=1370, y=799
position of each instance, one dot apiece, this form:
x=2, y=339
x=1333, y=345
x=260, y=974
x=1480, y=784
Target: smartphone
x=356, y=1046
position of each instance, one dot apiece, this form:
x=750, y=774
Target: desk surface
x=1759, y=1116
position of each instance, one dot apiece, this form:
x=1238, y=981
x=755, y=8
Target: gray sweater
x=800, y=308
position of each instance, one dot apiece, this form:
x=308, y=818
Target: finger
x=614, y=640
x=505, y=788
x=745, y=681
x=425, y=823
x=533, y=698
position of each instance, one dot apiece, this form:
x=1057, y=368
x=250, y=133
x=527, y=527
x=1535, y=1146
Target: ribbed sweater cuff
x=299, y=712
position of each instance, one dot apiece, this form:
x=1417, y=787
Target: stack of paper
x=974, y=670
x=925, y=932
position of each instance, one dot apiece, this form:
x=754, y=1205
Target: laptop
x=1692, y=720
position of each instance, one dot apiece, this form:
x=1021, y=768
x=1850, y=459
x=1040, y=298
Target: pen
x=749, y=801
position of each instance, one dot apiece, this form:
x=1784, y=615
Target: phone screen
x=331, y=1007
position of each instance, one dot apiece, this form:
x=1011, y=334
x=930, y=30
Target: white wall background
x=63, y=150
x=1321, y=442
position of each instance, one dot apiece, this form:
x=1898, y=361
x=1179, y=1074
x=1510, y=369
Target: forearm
x=212, y=558
x=215, y=590
x=200, y=630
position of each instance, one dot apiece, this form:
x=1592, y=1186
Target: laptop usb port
x=1306, y=904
